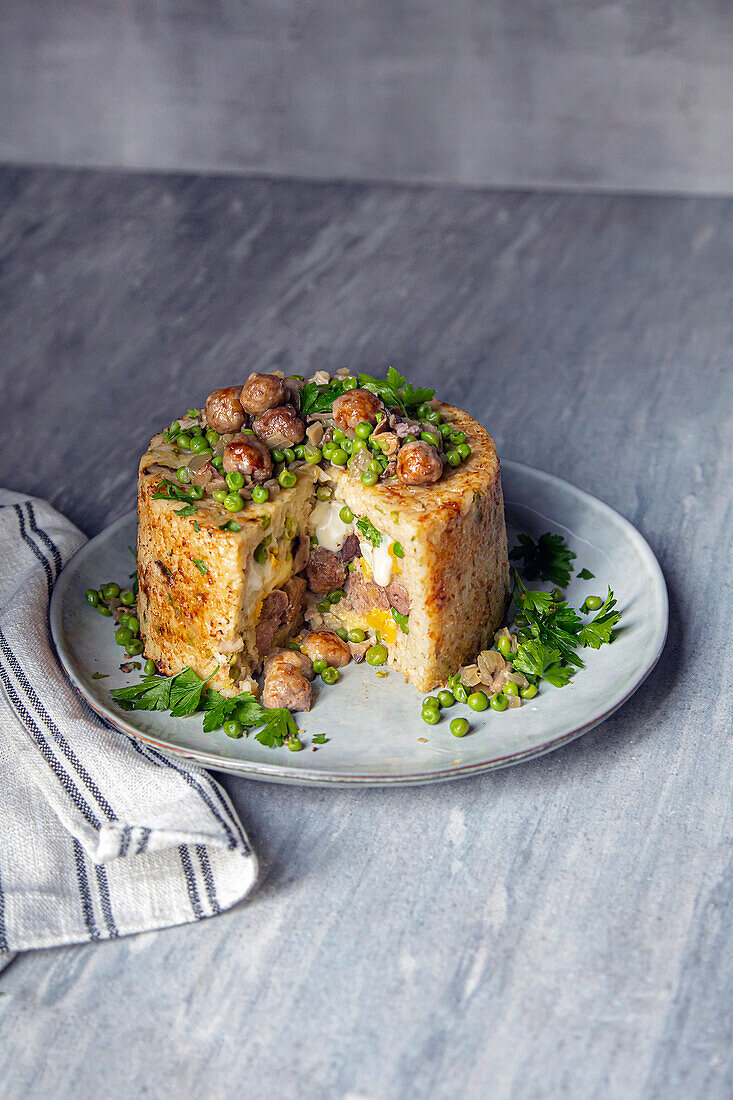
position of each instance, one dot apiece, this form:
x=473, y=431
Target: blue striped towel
x=100, y=835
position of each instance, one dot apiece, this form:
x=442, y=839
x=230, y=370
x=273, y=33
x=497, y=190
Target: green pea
x=319, y=664
x=397, y=550
x=593, y=602
x=234, y=480
x=402, y=621
x=343, y=634
x=433, y=417
x=278, y=455
x=375, y=446
x=363, y=430
x=328, y=449
x=150, y=668
x=356, y=635
x=195, y=492
x=198, y=444
x=233, y=728
x=347, y=445
x=446, y=698
x=313, y=455
x=323, y=606
x=260, y=494
x=233, y=502
x=336, y=595
x=431, y=715
x=460, y=693
x=220, y=495
x=478, y=700
x=410, y=438
x=287, y=479
x=295, y=744
x=459, y=727
x=498, y=701
x=510, y=688
x=135, y=647
x=261, y=553
x=184, y=440
x=212, y=437
x=338, y=435
x=433, y=438
x=431, y=701
x=556, y=594
x=376, y=654
x=504, y=645
x=218, y=463
x=357, y=445
x=369, y=477
x=458, y=437
x=104, y=610
x=289, y=455
x=123, y=636
x=110, y=590
x=324, y=492
x=453, y=458
x=350, y=383
x=299, y=449
x=445, y=429
x=464, y=450
x=529, y=692
x=196, y=429
x=423, y=411
x=339, y=457
x=92, y=597
x=131, y=622
x=183, y=474
x=127, y=597
x=330, y=675
x=346, y=515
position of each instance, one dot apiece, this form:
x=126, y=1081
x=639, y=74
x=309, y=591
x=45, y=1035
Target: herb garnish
x=370, y=532
x=548, y=559
x=394, y=392
x=599, y=631
x=586, y=575
x=320, y=399
x=187, y=510
x=320, y=739
x=201, y=566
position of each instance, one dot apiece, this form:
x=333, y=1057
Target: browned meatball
x=324, y=645
x=261, y=392
x=281, y=427
x=224, y=412
x=325, y=571
x=354, y=406
x=286, y=686
x=418, y=463
x=250, y=456
x=291, y=657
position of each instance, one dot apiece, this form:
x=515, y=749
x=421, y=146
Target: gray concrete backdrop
x=626, y=94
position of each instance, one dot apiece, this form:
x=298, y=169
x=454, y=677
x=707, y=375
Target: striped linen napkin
x=100, y=835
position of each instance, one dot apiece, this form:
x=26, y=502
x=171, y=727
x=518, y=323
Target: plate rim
x=281, y=773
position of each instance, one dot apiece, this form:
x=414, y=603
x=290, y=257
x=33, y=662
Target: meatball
x=418, y=463
x=261, y=392
x=224, y=412
x=286, y=686
x=291, y=658
x=280, y=427
x=250, y=456
x=324, y=645
x=325, y=571
x=354, y=406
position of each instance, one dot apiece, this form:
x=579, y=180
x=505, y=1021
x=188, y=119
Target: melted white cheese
x=331, y=532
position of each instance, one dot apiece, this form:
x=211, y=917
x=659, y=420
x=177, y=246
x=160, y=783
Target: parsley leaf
x=599, y=631
x=548, y=559
x=393, y=390
x=152, y=693
x=187, y=510
x=586, y=575
x=201, y=566
x=538, y=659
x=554, y=623
x=320, y=739
x=277, y=724
x=320, y=399
x=218, y=709
x=369, y=531
x=186, y=690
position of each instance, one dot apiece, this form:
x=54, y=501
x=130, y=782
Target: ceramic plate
x=376, y=735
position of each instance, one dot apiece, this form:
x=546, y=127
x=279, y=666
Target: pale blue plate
x=376, y=734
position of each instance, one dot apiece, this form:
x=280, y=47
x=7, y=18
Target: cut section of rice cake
x=203, y=598
x=454, y=565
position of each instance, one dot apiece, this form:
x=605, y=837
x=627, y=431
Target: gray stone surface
x=623, y=94
x=559, y=929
